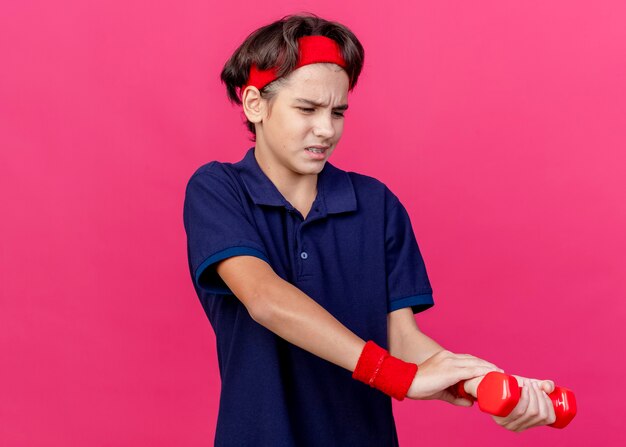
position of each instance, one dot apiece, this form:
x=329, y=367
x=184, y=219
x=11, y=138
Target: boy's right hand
x=436, y=376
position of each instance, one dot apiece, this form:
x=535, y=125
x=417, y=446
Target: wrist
x=380, y=370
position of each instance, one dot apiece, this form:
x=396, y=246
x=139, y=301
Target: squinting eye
x=309, y=109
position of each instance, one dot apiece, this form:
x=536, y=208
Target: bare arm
x=439, y=369
x=291, y=314
x=288, y=312
x=406, y=341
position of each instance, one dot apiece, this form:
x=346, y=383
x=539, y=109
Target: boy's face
x=307, y=111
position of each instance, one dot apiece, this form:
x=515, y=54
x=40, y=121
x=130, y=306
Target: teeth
x=314, y=149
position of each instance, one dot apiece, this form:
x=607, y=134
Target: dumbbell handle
x=499, y=393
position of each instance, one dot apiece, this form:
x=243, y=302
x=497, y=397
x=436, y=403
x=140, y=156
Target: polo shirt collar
x=335, y=189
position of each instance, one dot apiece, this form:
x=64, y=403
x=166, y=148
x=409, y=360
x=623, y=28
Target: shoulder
x=365, y=181
x=371, y=187
x=215, y=169
x=214, y=185
x=213, y=174
x=361, y=183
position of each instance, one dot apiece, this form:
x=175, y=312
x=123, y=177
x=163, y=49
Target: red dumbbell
x=498, y=394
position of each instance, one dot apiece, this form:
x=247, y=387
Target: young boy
x=309, y=273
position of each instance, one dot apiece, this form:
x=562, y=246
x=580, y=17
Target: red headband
x=312, y=50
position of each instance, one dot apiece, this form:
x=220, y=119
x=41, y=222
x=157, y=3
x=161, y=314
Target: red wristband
x=384, y=372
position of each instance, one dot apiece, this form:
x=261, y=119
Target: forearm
x=297, y=318
x=288, y=312
x=414, y=346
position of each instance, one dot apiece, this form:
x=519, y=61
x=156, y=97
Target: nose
x=324, y=126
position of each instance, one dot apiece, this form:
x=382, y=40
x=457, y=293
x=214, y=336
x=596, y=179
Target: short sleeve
x=407, y=280
x=217, y=228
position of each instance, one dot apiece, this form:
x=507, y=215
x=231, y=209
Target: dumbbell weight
x=499, y=393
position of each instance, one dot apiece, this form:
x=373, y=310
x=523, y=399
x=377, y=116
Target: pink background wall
x=500, y=125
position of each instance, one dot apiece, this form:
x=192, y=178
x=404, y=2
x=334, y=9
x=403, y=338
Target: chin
x=311, y=169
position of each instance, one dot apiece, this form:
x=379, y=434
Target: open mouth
x=315, y=150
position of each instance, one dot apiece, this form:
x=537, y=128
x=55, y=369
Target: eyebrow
x=319, y=104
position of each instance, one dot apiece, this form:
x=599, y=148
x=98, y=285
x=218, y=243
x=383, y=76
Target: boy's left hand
x=534, y=407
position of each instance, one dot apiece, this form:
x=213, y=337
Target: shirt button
x=304, y=255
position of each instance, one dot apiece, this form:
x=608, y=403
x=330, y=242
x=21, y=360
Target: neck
x=298, y=189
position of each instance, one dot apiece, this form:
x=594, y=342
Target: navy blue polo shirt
x=355, y=254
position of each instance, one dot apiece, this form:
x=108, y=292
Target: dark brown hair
x=275, y=45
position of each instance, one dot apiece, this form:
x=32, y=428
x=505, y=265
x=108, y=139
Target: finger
x=542, y=404
x=459, y=401
x=546, y=408
x=467, y=360
x=522, y=381
x=525, y=419
x=547, y=386
x=470, y=356
x=551, y=412
x=512, y=421
x=464, y=402
x=518, y=411
x=471, y=372
x=527, y=409
x=535, y=411
x=471, y=385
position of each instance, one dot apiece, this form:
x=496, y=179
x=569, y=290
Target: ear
x=253, y=105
